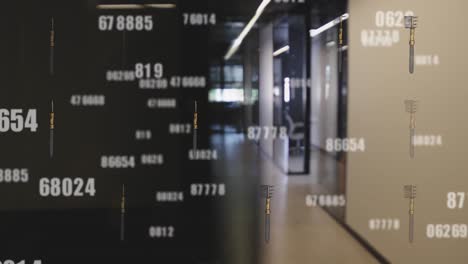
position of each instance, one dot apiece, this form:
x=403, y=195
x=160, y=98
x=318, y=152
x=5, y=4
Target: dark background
x=86, y=229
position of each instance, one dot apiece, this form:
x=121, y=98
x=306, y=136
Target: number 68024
x=66, y=187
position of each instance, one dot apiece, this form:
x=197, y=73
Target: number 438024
x=16, y=121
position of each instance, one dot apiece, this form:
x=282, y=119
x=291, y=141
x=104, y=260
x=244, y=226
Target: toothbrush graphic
x=268, y=192
x=195, y=126
x=340, y=45
x=411, y=23
x=122, y=214
x=410, y=193
x=411, y=108
x=52, y=127
x=52, y=47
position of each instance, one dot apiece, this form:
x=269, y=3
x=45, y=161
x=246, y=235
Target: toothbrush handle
x=51, y=61
x=340, y=59
x=51, y=143
x=122, y=227
x=411, y=147
x=411, y=59
x=195, y=139
x=411, y=228
x=267, y=228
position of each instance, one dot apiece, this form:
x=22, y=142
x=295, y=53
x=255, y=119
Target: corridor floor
x=299, y=234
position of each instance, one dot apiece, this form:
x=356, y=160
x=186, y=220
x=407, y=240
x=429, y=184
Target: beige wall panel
x=379, y=83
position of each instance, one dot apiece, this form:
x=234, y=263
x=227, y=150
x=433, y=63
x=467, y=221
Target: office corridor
x=233, y=132
x=298, y=232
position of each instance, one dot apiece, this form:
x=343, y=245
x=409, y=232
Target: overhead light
x=134, y=6
x=281, y=51
x=238, y=41
x=327, y=26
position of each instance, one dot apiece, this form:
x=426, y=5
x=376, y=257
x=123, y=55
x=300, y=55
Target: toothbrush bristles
x=410, y=191
x=411, y=106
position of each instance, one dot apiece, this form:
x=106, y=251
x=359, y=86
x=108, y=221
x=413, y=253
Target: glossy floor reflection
x=299, y=234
